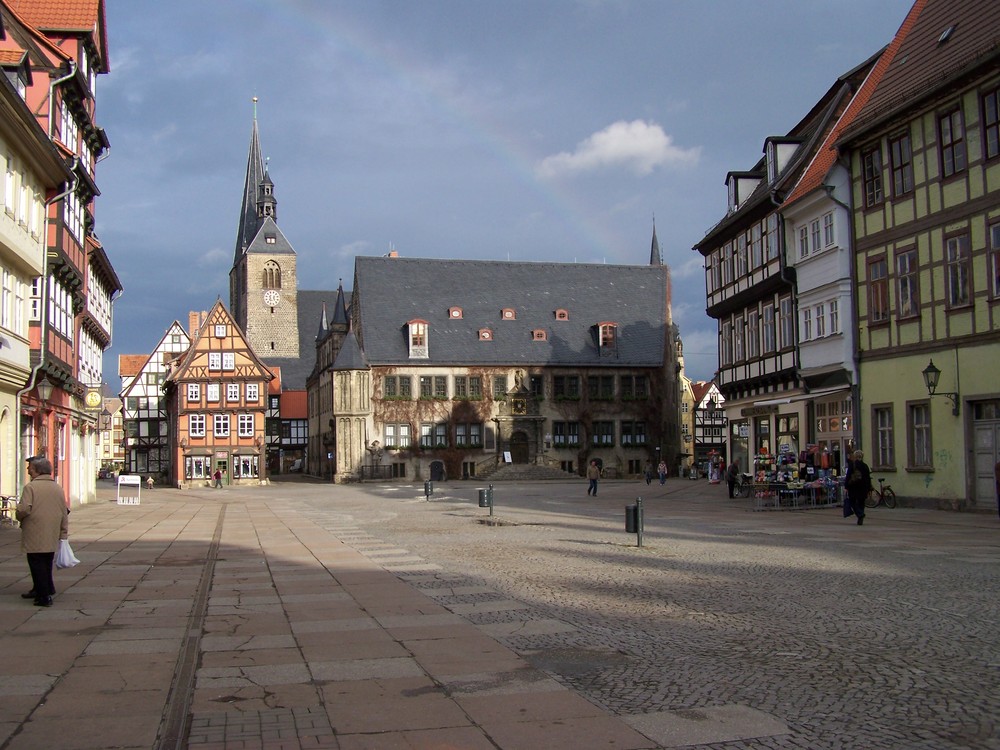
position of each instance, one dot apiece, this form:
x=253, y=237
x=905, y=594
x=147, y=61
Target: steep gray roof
x=295, y=371
x=392, y=291
x=269, y=229
x=248, y=208
x=350, y=356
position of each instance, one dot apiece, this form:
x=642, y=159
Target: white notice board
x=129, y=486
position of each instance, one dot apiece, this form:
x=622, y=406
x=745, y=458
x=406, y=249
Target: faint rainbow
x=314, y=22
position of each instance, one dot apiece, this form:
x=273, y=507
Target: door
x=519, y=448
x=986, y=438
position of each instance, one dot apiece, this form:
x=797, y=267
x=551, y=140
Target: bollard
x=428, y=488
x=634, y=520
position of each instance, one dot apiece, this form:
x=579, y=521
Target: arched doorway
x=519, y=448
x=437, y=471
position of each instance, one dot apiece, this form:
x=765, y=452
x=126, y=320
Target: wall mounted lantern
x=931, y=377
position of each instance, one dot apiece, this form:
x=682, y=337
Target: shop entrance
x=986, y=439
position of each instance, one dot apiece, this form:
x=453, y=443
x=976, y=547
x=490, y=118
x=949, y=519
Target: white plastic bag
x=64, y=555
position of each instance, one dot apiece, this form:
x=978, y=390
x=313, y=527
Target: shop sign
x=758, y=411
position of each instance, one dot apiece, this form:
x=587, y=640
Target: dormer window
x=417, y=330
x=270, y=239
x=485, y=334
x=608, y=333
x=539, y=334
x=778, y=153
x=508, y=313
x=562, y=314
x=455, y=313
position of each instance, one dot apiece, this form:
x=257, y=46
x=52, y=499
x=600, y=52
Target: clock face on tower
x=272, y=298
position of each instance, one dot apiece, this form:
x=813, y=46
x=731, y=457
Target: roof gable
x=219, y=333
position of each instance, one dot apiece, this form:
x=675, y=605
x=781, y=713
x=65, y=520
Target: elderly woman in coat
x=44, y=520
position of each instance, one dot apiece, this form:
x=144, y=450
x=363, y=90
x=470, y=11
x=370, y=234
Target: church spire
x=249, y=220
x=340, y=308
x=655, y=259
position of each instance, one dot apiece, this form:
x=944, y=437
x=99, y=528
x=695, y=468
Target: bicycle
x=884, y=495
x=743, y=486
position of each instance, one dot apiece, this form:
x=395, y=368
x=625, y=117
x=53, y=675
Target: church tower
x=263, y=283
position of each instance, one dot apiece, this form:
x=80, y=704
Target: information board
x=129, y=489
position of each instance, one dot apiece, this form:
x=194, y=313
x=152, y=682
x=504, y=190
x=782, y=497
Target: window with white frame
x=907, y=297
x=828, y=236
x=726, y=345
x=253, y=393
x=228, y=360
x=7, y=299
x=753, y=334
x=814, y=230
x=919, y=418
x=196, y=425
x=245, y=425
x=767, y=329
x=959, y=270
x=757, y=245
x=786, y=325
x=820, y=320
x=803, y=241
x=882, y=424
x=215, y=360
x=193, y=392
x=741, y=256
x=807, y=327
x=738, y=333
x=221, y=425
x=834, y=317
x=212, y=392
x=60, y=308
x=397, y=435
x=232, y=391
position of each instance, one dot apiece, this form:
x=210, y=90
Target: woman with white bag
x=44, y=520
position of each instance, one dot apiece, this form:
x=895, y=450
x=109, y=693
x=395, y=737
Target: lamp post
x=931, y=377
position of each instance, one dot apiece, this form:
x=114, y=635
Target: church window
x=271, y=276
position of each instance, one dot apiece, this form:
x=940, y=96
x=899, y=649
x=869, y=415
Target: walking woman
x=859, y=484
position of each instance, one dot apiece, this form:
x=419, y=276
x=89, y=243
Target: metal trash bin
x=632, y=519
x=484, y=498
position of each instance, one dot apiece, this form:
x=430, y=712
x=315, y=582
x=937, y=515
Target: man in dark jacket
x=859, y=484
x=44, y=520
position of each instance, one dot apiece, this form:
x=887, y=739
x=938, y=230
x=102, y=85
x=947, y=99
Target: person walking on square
x=859, y=484
x=662, y=471
x=44, y=520
x=218, y=478
x=649, y=472
x=593, y=474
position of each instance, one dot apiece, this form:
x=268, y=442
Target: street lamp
x=44, y=388
x=931, y=377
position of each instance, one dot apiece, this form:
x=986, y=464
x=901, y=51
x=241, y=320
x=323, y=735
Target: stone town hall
x=437, y=369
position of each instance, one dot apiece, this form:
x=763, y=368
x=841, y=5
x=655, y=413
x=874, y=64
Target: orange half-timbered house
x=216, y=396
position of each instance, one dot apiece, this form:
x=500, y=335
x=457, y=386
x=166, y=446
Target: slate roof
x=929, y=60
x=392, y=291
x=350, y=356
x=295, y=371
x=248, y=207
x=259, y=244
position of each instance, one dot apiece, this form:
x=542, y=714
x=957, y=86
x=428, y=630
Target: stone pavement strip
x=304, y=615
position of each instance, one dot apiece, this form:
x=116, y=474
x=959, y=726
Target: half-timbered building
x=751, y=288
x=145, y=420
x=216, y=396
x=54, y=52
x=925, y=166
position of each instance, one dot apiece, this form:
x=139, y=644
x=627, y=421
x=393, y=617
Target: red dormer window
x=539, y=334
x=455, y=313
x=562, y=314
x=508, y=313
x=485, y=334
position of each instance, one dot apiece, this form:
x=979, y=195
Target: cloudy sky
x=523, y=130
